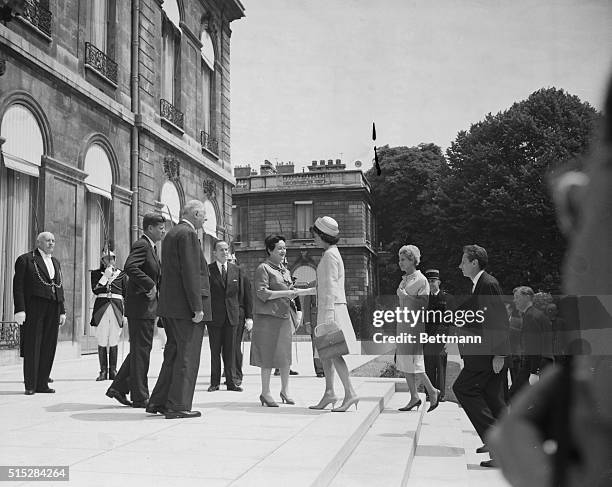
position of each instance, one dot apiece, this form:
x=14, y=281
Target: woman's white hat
x=327, y=225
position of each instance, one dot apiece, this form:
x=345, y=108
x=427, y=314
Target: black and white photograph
x=306, y=243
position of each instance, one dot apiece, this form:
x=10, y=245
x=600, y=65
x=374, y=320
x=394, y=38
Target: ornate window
x=100, y=49
x=171, y=57
x=19, y=170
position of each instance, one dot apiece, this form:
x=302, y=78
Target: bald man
x=184, y=303
x=38, y=294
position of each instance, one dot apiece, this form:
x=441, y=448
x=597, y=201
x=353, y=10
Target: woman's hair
x=326, y=238
x=271, y=241
x=412, y=252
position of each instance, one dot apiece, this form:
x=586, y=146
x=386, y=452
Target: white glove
x=299, y=318
x=62, y=319
x=20, y=317
x=533, y=378
x=108, y=272
x=248, y=324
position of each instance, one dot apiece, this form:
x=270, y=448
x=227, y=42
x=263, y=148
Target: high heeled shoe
x=286, y=399
x=346, y=404
x=325, y=400
x=434, y=405
x=410, y=407
x=265, y=402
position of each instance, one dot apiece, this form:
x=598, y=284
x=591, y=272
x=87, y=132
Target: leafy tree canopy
x=491, y=190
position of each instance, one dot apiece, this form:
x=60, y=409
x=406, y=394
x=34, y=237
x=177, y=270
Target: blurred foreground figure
x=527, y=442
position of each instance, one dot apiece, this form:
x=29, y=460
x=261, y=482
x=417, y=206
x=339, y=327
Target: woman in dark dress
x=274, y=318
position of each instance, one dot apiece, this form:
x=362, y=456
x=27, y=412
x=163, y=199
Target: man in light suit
x=479, y=385
x=231, y=310
x=38, y=294
x=184, y=303
x=144, y=271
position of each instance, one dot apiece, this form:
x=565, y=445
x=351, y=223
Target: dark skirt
x=271, y=342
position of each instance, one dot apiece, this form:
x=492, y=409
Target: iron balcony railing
x=170, y=113
x=38, y=16
x=100, y=62
x=208, y=142
x=9, y=335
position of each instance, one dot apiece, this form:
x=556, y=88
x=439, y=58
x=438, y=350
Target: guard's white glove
x=20, y=317
x=108, y=272
x=533, y=378
x=62, y=319
x=248, y=324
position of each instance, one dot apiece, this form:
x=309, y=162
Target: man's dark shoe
x=48, y=390
x=320, y=374
x=441, y=398
x=293, y=372
x=154, y=409
x=170, y=414
x=50, y=380
x=140, y=404
x=489, y=464
x=119, y=396
x=212, y=388
x=234, y=388
x=29, y=392
x=276, y=372
x=482, y=449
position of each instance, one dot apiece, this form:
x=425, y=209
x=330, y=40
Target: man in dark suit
x=38, y=294
x=144, y=272
x=184, y=303
x=247, y=324
x=231, y=306
x=434, y=353
x=479, y=385
x=535, y=340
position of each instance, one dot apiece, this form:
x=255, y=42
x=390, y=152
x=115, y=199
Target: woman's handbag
x=329, y=340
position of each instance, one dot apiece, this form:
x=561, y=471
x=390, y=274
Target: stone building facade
x=280, y=201
x=108, y=110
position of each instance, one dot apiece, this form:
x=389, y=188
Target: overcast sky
x=308, y=77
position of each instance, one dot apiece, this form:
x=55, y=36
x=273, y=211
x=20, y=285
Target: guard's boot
x=103, y=364
x=112, y=362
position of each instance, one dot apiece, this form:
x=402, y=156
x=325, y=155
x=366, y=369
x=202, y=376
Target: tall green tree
x=403, y=202
x=497, y=195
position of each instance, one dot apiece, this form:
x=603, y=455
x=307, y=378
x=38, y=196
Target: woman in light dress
x=331, y=307
x=413, y=292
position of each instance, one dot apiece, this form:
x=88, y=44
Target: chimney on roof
x=283, y=168
x=242, y=172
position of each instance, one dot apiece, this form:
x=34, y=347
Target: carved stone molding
x=210, y=188
x=172, y=167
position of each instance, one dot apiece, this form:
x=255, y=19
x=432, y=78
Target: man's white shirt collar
x=188, y=223
x=220, y=266
x=149, y=239
x=475, y=280
x=48, y=262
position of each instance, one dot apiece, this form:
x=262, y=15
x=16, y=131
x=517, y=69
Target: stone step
x=386, y=451
x=439, y=460
x=478, y=476
x=314, y=455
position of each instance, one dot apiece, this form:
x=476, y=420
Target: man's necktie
x=223, y=273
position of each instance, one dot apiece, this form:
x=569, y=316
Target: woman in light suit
x=331, y=307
